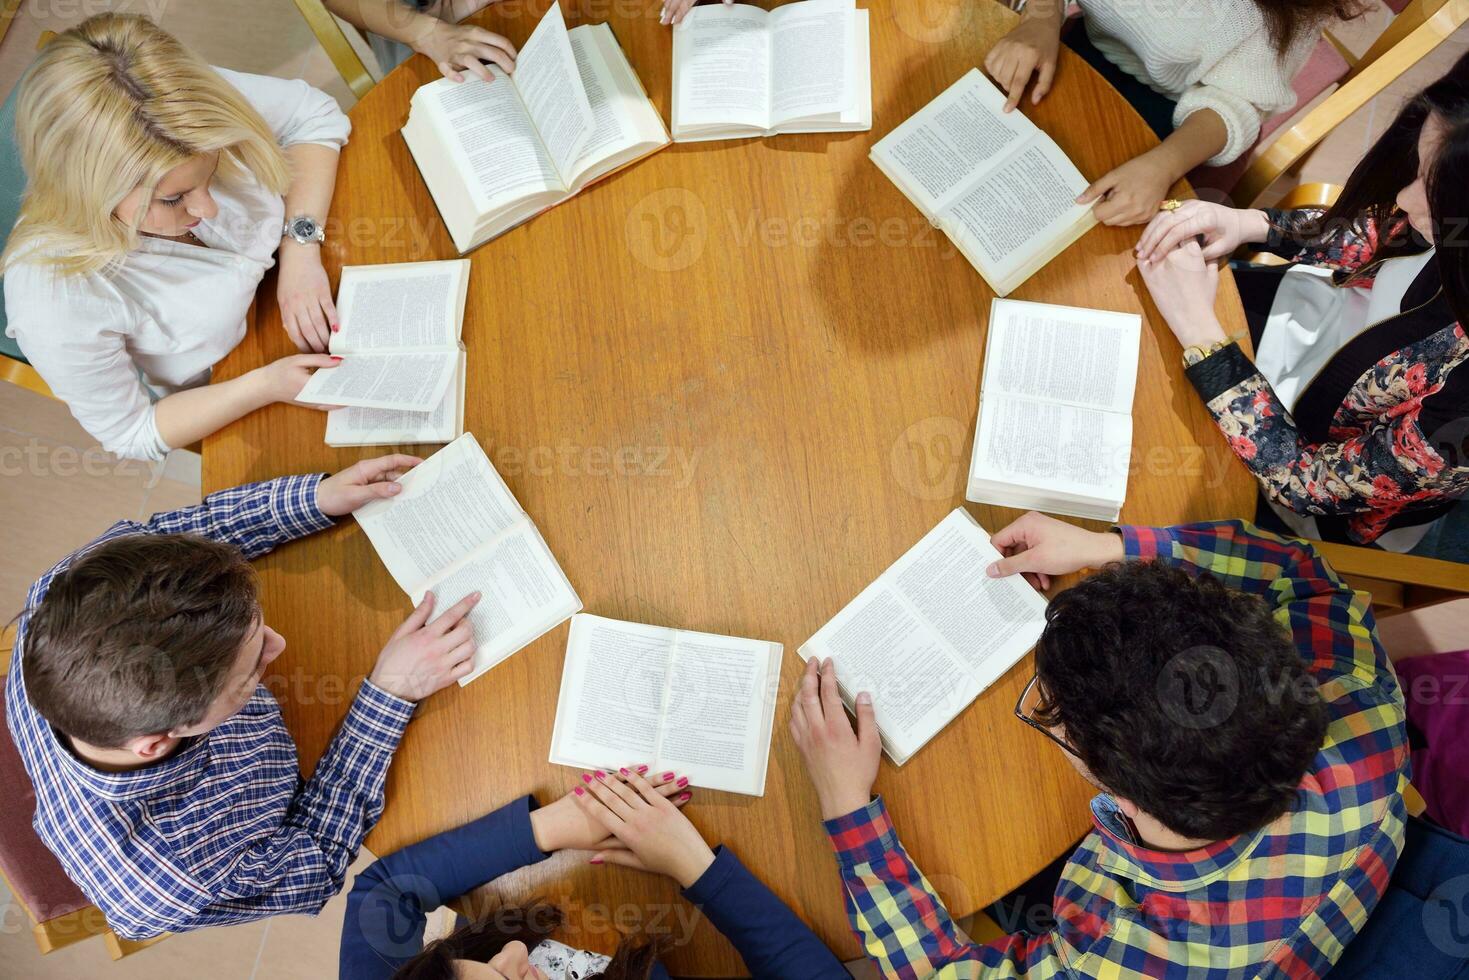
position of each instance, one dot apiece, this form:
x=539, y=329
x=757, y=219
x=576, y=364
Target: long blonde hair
x=110, y=106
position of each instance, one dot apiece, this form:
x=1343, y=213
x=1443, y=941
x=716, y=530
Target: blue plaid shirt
x=223, y=831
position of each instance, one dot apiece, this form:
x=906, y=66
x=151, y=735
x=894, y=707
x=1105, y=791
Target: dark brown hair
x=1285, y=19
x=479, y=941
x=138, y=636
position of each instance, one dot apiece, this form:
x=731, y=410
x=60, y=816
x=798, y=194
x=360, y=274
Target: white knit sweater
x=1207, y=54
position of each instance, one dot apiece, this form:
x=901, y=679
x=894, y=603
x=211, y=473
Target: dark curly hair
x=479, y=941
x=1182, y=695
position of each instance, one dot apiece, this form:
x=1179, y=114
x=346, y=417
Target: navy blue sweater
x=390, y=901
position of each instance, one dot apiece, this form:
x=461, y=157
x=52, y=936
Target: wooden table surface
x=730, y=384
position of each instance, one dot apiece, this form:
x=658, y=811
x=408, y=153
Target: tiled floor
x=59, y=489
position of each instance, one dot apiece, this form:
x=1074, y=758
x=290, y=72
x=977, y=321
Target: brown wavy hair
x=479, y=941
x=1285, y=19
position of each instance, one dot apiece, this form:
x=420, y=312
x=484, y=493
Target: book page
x=988, y=623
x=1016, y=211
x=550, y=85
x=450, y=504
x=942, y=149
x=496, y=149
x=1081, y=357
x=385, y=426
x=716, y=724
x=411, y=381
x=810, y=55
x=410, y=304
x=523, y=593
x=721, y=67
x=612, y=693
x=1059, y=448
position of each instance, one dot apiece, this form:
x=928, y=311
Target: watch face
x=303, y=228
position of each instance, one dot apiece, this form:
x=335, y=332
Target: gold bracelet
x=1195, y=354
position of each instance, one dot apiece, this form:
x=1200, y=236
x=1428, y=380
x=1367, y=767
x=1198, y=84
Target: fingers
x=1024, y=561
x=1043, y=82
x=417, y=618
x=597, y=785
x=625, y=858
x=1019, y=533
x=594, y=808
x=1098, y=189
x=450, y=72
x=622, y=790
x=673, y=11
x=389, y=467
x=313, y=325
x=831, y=699
x=867, y=732
x=315, y=360
x=288, y=321
x=455, y=613
x=1019, y=75
x=330, y=309
x=808, y=693
x=654, y=795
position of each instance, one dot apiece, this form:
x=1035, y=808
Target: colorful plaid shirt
x=224, y=830
x=1282, y=901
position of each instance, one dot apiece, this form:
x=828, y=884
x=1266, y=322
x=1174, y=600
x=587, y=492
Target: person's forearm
x=313, y=181
x=185, y=417
x=393, y=19
x=1201, y=136
x=1053, y=11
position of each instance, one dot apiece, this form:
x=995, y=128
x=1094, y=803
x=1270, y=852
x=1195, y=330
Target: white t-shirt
x=1310, y=320
x=109, y=344
x=1206, y=54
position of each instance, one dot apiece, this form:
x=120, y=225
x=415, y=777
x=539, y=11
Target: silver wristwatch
x=305, y=230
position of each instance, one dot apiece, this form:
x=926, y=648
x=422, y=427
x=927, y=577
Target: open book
x=739, y=71
x=675, y=699
x=1055, y=413
x=455, y=528
x=994, y=183
x=400, y=347
x=930, y=634
x=495, y=154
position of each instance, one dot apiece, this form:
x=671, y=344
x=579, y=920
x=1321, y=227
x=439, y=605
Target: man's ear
x=1129, y=809
x=151, y=748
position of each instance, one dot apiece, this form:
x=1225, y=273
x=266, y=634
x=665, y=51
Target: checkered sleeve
x=255, y=518
x=901, y=921
x=1332, y=625
x=303, y=864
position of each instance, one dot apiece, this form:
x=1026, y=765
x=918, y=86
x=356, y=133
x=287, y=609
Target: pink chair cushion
x=32, y=870
x=1323, y=69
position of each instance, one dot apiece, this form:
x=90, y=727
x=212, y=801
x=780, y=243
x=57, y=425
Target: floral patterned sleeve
x=1374, y=472
x=1299, y=236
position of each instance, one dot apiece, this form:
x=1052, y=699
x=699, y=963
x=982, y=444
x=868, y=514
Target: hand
x=457, y=48
x=1039, y=546
x=674, y=10
x=1224, y=229
x=424, y=657
x=1031, y=48
x=654, y=834
x=365, y=480
x=305, y=297
x=1130, y=195
x=282, y=380
x=511, y=963
x=564, y=825
x=1184, y=285
x=842, y=763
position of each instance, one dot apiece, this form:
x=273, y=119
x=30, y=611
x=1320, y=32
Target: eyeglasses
x=1025, y=709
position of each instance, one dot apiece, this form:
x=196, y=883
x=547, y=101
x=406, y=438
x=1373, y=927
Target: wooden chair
x=333, y=40
x=60, y=914
x=1396, y=581
x=1436, y=21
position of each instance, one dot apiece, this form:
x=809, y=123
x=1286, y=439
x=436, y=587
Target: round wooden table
x=731, y=384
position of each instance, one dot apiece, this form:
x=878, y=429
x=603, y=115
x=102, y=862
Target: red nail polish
x=642, y=769
x=685, y=797
x=622, y=772
x=336, y=327
x=585, y=778
x=335, y=358
x=595, y=861
x=601, y=774
x=579, y=791
x=666, y=776
x=683, y=781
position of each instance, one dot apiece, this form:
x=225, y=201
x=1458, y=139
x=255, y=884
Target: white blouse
x=1207, y=54
x=110, y=344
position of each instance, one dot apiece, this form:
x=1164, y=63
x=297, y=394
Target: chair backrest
x=333, y=40
x=1410, y=14
x=1435, y=28
x=1440, y=627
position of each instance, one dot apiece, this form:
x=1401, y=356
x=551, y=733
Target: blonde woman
x=159, y=190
